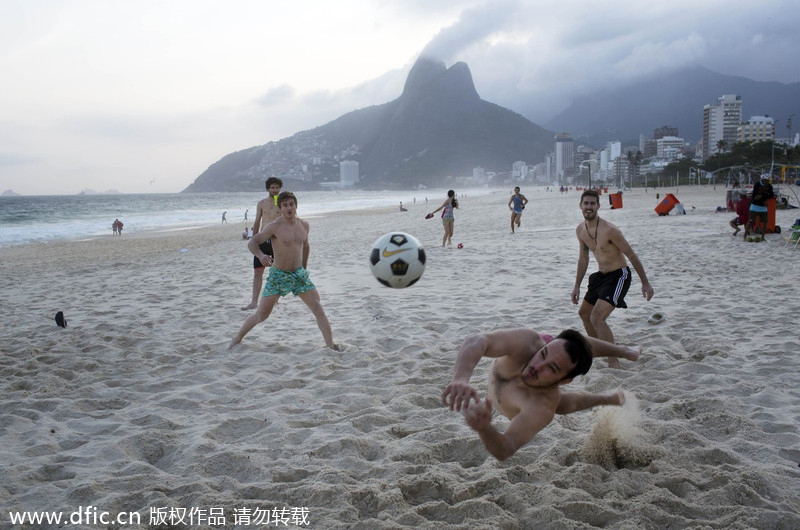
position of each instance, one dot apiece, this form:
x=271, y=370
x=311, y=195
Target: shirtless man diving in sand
x=608, y=286
x=525, y=380
x=288, y=270
x=266, y=211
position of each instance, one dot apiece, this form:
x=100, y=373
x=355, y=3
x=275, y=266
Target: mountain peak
x=429, y=76
x=424, y=73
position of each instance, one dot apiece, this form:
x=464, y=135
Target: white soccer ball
x=397, y=260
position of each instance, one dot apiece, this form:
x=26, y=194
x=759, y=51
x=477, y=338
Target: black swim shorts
x=266, y=248
x=611, y=287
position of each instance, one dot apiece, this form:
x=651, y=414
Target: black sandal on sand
x=60, y=320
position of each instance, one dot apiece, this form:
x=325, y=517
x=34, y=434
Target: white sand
x=138, y=404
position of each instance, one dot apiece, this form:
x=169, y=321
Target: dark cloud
x=537, y=57
x=474, y=25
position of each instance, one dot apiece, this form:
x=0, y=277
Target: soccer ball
x=397, y=260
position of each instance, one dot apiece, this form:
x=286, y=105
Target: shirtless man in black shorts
x=608, y=286
x=266, y=212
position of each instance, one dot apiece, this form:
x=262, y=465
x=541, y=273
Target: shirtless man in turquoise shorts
x=287, y=271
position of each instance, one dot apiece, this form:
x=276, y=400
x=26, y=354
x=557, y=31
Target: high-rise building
x=608, y=158
x=647, y=146
x=721, y=121
x=669, y=147
x=550, y=168
x=565, y=157
x=757, y=129
x=519, y=171
x=666, y=130
x=348, y=173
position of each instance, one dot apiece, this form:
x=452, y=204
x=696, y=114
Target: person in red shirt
x=742, y=212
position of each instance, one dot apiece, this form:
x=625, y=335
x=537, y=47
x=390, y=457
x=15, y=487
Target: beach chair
x=794, y=237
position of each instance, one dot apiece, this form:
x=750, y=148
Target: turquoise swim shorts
x=282, y=282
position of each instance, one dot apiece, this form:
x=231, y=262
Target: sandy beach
x=138, y=405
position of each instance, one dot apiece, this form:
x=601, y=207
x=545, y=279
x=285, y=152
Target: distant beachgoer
x=448, y=220
x=519, y=202
x=608, y=286
x=762, y=191
x=525, y=380
x=401, y=207
x=245, y=215
x=224, y=220
x=119, y=227
x=742, y=211
x=266, y=211
x=115, y=227
x=288, y=271
x=245, y=233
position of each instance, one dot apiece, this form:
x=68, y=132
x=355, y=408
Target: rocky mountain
x=438, y=127
x=676, y=100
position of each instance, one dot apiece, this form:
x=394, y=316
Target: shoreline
x=708, y=198
x=87, y=217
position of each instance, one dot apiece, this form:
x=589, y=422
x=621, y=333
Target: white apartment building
x=669, y=147
x=348, y=173
x=565, y=156
x=519, y=170
x=608, y=159
x=721, y=121
x=757, y=129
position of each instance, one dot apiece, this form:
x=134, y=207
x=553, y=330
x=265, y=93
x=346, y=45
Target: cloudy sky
x=144, y=95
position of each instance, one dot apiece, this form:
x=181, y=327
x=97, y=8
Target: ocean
x=41, y=218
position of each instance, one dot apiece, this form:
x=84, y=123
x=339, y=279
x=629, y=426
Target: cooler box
x=616, y=200
x=667, y=204
x=770, y=216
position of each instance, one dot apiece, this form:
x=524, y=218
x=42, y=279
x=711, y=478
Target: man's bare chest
x=290, y=236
